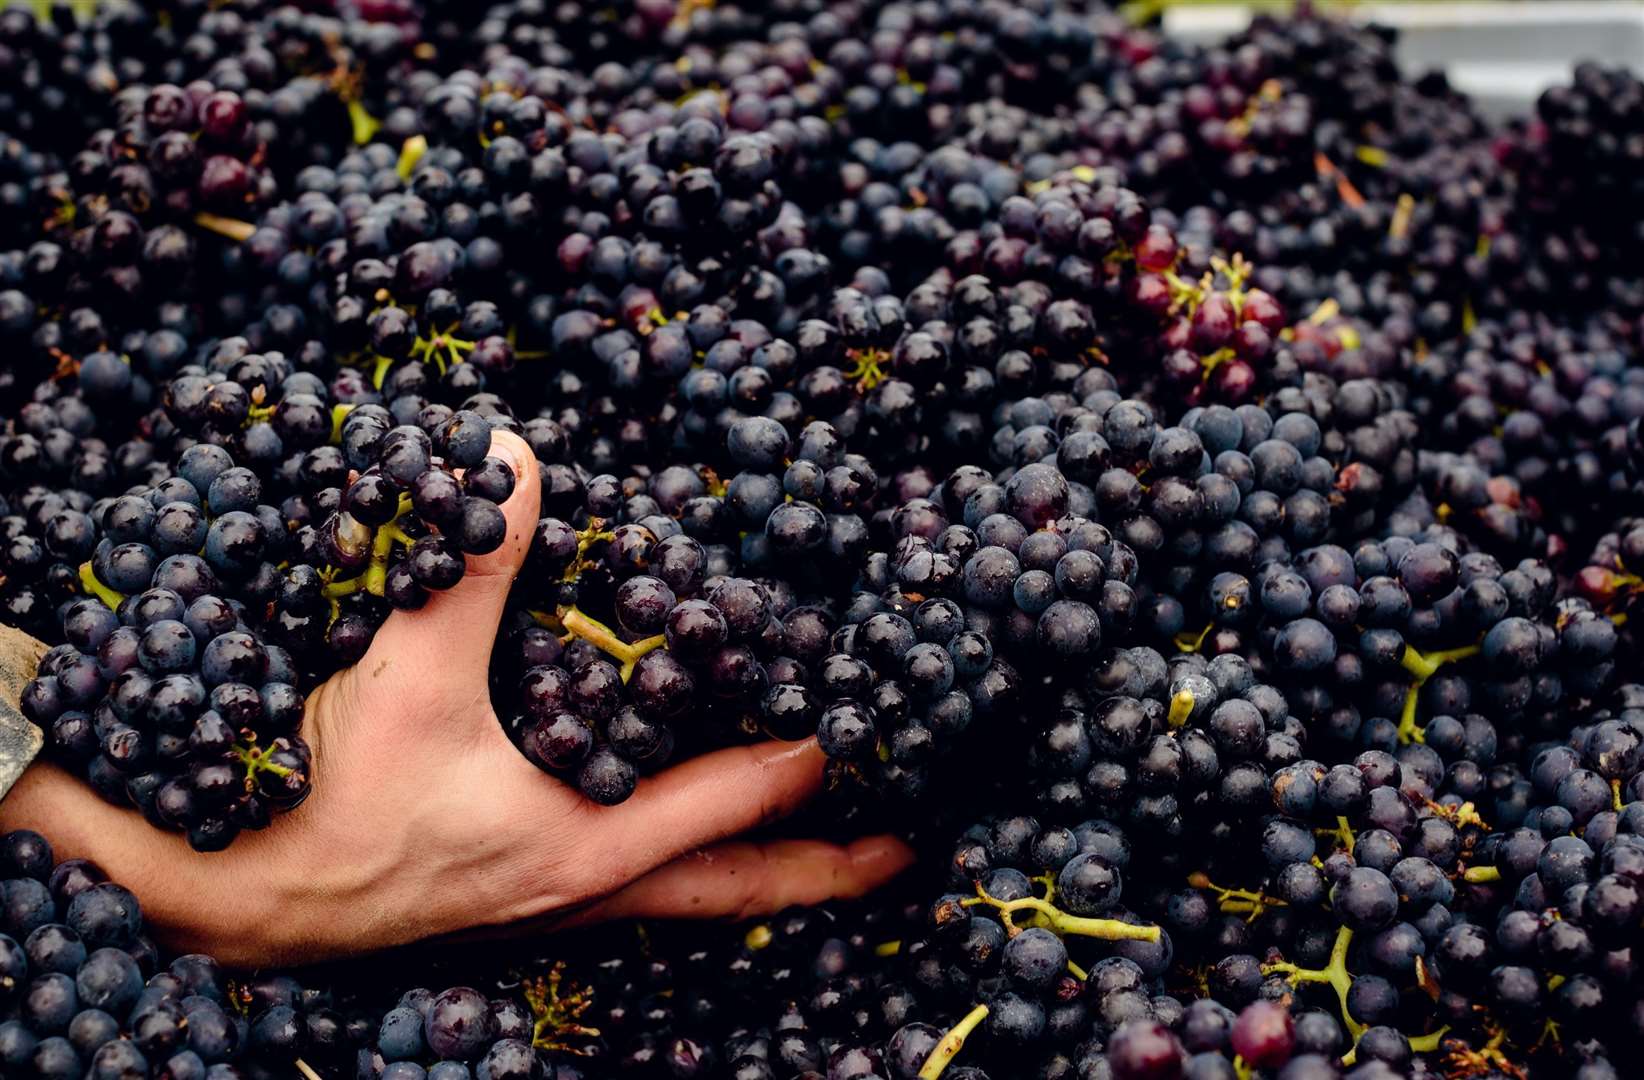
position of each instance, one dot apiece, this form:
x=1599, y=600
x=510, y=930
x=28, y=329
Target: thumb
x=451, y=636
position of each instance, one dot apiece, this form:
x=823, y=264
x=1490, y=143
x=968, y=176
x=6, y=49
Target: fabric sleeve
x=20, y=740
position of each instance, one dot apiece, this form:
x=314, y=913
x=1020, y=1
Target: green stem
x=1181, y=707
x=1334, y=974
x=1426, y=1044
x=867, y=367
x=364, y=125
x=232, y=228
x=256, y=761
x=1481, y=875
x=88, y=578
x=1187, y=641
x=411, y=152
x=346, y=587
x=1247, y=902
x=1062, y=924
x=951, y=1044
x=382, y=545
x=605, y=639
x=339, y=413
x=1423, y=666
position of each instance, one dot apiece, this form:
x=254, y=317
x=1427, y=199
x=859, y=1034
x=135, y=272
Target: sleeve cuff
x=20, y=739
x=20, y=742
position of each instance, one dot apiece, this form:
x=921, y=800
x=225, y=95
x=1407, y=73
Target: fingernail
x=516, y=451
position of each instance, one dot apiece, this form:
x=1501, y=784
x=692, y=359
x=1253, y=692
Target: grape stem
x=1059, y=922
x=951, y=1044
x=1209, y=362
x=442, y=350
x=1186, y=294
x=605, y=639
x=232, y=228
x=1247, y=902
x=88, y=578
x=255, y=761
x=1187, y=641
x=306, y=1070
x=1334, y=973
x=1343, y=832
x=364, y=125
x=556, y=1016
x=258, y=414
x=867, y=367
x=1403, y=211
x=1481, y=875
x=1181, y=707
x=594, y=532
x=1462, y=1061
x=334, y=591
x=339, y=413
x=411, y=152
x=374, y=578
x=1344, y=187
x=1423, y=666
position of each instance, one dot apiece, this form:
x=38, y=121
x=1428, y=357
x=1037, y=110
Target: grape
x=1201, y=496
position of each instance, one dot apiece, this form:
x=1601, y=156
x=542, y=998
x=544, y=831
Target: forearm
x=20, y=740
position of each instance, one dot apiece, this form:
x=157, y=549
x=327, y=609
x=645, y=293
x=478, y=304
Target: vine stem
x=411, y=152
x=605, y=639
x=1061, y=923
x=232, y=228
x=951, y=1044
x=1334, y=973
x=1181, y=707
x=1423, y=666
x=88, y=578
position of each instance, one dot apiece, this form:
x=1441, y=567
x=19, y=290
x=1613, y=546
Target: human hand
x=426, y=821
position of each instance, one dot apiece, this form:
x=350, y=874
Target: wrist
x=191, y=902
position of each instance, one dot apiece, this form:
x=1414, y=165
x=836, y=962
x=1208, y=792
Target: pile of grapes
x=1192, y=494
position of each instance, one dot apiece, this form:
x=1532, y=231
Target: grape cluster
x=163, y=692
x=1190, y=493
